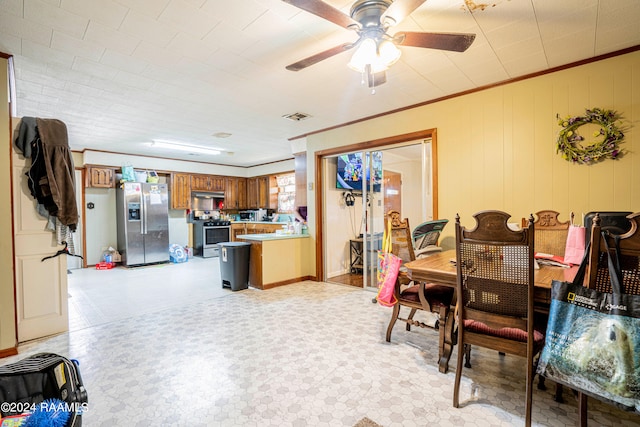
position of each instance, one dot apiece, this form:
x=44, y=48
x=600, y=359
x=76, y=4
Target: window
x=286, y=185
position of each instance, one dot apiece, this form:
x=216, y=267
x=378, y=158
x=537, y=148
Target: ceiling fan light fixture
x=380, y=55
x=388, y=53
x=365, y=54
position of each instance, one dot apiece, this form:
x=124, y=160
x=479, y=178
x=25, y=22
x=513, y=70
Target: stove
x=207, y=234
x=216, y=223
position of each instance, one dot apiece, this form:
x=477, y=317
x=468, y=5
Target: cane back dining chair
x=598, y=272
x=495, y=290
x=429, y=297
x=550, y=232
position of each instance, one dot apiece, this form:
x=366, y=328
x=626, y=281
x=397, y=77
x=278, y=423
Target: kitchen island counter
x=279, y=259
x=271, y=236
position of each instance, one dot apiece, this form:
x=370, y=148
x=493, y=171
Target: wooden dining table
x=440, y=268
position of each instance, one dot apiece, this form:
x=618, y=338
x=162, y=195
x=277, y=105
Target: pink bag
x=388, y=269
x=574, y=251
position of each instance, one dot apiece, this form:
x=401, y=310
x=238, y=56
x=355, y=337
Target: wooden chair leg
x=582, y=409
x=456, y=384
x=467, y=356
x=411, y=314
x=541, y=379
x=558, y=396
x=447, y=338
x=529, y=392
x=394, y=317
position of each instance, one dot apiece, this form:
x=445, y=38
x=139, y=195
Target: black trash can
x=234, y=265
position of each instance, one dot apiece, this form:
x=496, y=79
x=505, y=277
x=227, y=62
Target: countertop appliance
x=142, y=215
x=207, y=234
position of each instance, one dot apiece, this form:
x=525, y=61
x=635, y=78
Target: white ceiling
x=120, y=73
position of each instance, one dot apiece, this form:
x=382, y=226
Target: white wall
x=101, y=228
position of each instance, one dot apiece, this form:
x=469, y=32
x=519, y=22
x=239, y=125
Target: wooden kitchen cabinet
x=263, y=192
x=236, y=230
x=263, y=228
x=100, y=177
x=235, y=193
x=242, y=193
x=231, y=193
x=258, y=192
x=252, y=193
x=217, y=183
x=200, y=183
x=180, y=191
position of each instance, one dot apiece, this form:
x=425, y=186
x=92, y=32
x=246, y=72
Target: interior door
x=41, y=285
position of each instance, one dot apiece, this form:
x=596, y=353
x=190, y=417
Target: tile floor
x=166, y=345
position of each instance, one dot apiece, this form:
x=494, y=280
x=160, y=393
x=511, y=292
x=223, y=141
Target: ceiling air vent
x=296, y=117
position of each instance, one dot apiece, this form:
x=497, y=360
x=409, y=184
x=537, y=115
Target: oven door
x=213, y=236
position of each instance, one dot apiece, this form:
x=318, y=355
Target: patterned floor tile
x=169, y=346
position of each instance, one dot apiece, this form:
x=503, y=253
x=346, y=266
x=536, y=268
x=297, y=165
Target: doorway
x=353, y=219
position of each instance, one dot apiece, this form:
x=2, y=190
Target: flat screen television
x=351, y=169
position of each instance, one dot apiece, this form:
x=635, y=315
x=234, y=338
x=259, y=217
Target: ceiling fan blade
x=400, y=9
x=457, y=42
x=313, y=59
x=323, y=10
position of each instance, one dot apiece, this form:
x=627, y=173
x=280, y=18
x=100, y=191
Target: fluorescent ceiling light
x=183, y=147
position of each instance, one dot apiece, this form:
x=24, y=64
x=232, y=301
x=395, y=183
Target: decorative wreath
x=570, y=141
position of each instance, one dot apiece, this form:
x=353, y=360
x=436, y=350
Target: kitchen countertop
x=258, y=222
x=270, y=236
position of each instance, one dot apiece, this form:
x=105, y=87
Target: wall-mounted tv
x=350, y=170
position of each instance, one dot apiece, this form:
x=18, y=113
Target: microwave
x=248, y=215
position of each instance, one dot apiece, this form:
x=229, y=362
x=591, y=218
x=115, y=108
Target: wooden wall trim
x=287, y=282
x=11, y=351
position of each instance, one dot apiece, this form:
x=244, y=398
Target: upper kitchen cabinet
x=263, y=192
x=258, y=192
x=242, y=193
x=100, y=177
x=180, y=191
x=217, y=183
x=200, y=183
x=235, y=194
x=208, y=183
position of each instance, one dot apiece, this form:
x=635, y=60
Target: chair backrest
x=551, y=234
x=401, y=241
x=495, y=267
x=428, y=233
x=629, y=255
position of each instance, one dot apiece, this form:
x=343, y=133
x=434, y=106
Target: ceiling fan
x=376, y=49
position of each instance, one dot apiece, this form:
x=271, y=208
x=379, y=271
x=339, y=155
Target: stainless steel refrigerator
x=143, y=223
